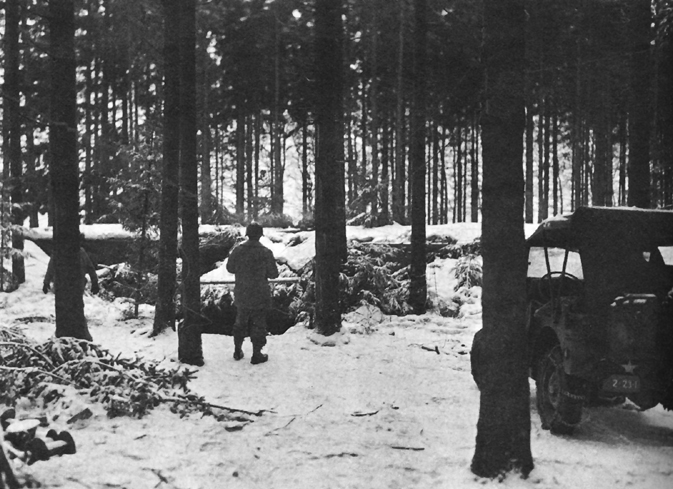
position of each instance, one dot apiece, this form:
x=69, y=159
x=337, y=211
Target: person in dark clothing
x=253, y=264
x=87, y=269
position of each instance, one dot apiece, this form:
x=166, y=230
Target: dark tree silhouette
x=418, y=286
x=330, y=228
x=70, y=320
x=640, y=120
x=164, y=315
x=503, y=429
x=189, y=331
x=12, y=126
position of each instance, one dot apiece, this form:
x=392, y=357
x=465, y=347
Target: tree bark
x=329, y=165
x=189, y=331
x=640, y=104
x=418, y=286
x=12, y=119
x=69, y=304
x=278, y=198
x=164, y=315
x=374, y=94
x=474, y=183
x=503, y=429
x=240, y=163
x=399, y=194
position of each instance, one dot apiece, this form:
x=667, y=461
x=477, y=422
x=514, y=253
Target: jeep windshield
x=537, y=262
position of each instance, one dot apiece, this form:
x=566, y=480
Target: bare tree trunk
x=330, y=221
x=503, y=429
x=640, y=104
x=249, y=163
x=206, y=205
x=435, y=174
x=418, y=286
x=12, y=119
x=189, y=331
x=622, y=159
x=258, y=135
x=385, y=174
x=277, y=199
x=474, y=184
x=305, y=177
x=459, y=173
x=546, y=165
x=399, y=197
x=69, y=305
x=555, y=162
x=374, y=92
x=88, y=204
x=240, y=163
x=164, y=315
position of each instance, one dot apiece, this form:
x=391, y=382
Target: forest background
x=598, y=108
x=263, y=101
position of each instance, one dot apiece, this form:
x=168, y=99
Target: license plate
x=622, y=383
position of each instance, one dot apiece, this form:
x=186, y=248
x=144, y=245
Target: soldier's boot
x=257, y=355
x=238, y=348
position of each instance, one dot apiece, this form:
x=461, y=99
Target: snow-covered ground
x=391, y=405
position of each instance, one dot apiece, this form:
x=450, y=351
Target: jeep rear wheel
x=560, y=408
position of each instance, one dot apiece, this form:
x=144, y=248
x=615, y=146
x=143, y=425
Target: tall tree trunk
x=640, y=104
x=459, y=173
x=34, y=192
x=529, y=130
x=305, y=177
x=278, y=198
x=474, y=183
x=622, y=158
x=384, y=217
x=664, y=104
x=69, y=304
x=546, y=165
x=330, y=221
x=258, y=135
x=12, y=119
x=540, y=159
x=189, y=331
x=206, y=206
x=418, y=286
x=445, y=184
x=87, y=180
x=364, y=131
x=503, y=429
x=435, y=173
x=399, y=197
x=164, y=314
x=249, y=162
x=240, y=163
x=555, y=162
x=374, y=93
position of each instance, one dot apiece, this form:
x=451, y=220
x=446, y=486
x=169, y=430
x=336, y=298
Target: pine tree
x=70, y=320
x=503, y=429
x=330, y=223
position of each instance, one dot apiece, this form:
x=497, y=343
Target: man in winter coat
x=87, y=269
x=253, y=264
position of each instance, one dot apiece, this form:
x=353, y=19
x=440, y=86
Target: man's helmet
x=254, y=230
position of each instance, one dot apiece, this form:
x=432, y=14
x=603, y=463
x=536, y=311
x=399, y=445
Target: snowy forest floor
x=391, y=405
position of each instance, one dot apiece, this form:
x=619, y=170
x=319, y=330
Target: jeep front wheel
x=559, y=407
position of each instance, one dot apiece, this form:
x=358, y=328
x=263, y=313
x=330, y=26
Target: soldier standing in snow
x=253, y=264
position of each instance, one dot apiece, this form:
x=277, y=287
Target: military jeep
x=600, y=317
